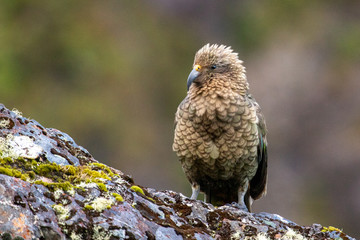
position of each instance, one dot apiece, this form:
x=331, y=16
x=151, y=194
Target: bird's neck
x=218, y=88
x=213, y=100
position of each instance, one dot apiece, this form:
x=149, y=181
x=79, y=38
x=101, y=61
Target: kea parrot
x=220, y=131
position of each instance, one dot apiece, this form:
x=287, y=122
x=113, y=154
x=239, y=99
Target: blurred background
x=112, y=73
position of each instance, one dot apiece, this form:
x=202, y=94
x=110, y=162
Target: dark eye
x=213, y=66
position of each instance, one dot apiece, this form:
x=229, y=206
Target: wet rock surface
x=51, y=188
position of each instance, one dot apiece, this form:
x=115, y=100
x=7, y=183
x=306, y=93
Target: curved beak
x=192, y=76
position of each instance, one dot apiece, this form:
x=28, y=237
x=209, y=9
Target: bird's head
x=216, y=62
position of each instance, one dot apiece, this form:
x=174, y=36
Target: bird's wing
x=258, y=182
x=180, y=111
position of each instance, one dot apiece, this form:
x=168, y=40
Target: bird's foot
x=195, y=191
x=241, y=207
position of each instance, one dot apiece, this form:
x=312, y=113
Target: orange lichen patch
x=20, y=181
x=277, y=236
x=20, y=226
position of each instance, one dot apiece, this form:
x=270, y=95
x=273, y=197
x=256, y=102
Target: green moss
x=102, y=187
x=137, y=189
x=88, y=207
x=47, y=169
x=70, y=170
x=17, y=173
x=7, y=170
x=118, y=197
x=6, y=160
x=330, y=229
x=27, y=165
x=66, y=178
x=95, y=174
x=55, y=172
x=65, y=186
x=25, y=177
x=103, y=167
x=31, y=174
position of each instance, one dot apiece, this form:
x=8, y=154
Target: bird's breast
x=224, y=107
x=228, y=123
x=217, y=135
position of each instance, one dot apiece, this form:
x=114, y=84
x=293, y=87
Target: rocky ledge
x=52, y=188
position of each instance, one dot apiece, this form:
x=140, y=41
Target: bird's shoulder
x=182, y=110
x=260, y=116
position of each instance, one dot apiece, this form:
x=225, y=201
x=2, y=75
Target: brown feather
x=220, y=133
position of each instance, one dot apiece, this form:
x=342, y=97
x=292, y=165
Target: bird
x=220, y=131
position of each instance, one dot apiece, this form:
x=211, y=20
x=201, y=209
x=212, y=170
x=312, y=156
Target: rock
x=51, y=188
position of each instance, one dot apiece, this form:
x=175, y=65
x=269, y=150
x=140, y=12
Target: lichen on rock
x=61, y=211
x=52, y=188
x=19, y=147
